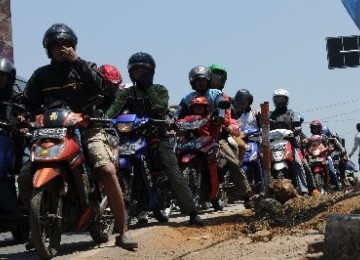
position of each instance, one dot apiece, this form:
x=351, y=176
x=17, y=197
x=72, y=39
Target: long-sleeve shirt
x=356, y=144
x=141, y=102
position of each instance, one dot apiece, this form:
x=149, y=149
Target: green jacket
x=141, y=102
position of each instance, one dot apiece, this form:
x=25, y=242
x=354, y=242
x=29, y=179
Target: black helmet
x=59, y=31
x=358, y=126
x=199, y=72
x=7, y=67
x=142, y=59
x=244, y=94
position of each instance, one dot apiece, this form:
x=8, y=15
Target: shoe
x=29, y=245
x=126, y=241
x=143, y=218
x=249, y=203
x=195, y=220
x=315, y=193
x=159, y=216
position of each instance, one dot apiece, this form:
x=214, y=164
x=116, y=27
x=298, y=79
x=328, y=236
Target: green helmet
x=218, y=75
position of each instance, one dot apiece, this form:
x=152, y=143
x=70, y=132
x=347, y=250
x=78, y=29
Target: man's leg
x=100, y=155
x=178, y=183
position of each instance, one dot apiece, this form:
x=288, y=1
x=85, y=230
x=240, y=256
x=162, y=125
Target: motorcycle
x=350, y=170
x=13, y=214
x=317, y=155
x=198, y=154
x=145, y=186
x=282, y=156
x=66, y=197
x=252, y=164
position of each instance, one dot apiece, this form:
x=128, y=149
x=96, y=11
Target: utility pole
x=6, y=43
x=265, y=129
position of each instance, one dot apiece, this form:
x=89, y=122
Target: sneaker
x=143, y=218
x=159, y=216
x=29, y=245
x=195, y=220
x=126, y=241
x=315, y=193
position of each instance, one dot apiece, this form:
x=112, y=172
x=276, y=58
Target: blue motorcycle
x=13, y=214
x=252, y=163
x=144, y=185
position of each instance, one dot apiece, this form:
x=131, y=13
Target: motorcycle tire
x=104, y=222
x=319, y=182
x=45, y=220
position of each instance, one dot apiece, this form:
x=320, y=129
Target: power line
x=330, y=106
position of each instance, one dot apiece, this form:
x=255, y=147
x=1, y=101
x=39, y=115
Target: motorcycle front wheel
x=45, y=220
x=104, y=221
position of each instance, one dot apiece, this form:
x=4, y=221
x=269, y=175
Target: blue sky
x=264, y=45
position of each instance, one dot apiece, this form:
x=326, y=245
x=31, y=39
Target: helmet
x=244, y=94
x=200, y=100
x=281, y=97
x=59, y=31
x=326, y=130
x=218, y=76
x=281, y=92
x=7, y=67
x=199, y=72
x=219, y=69
x=110, y=73
x=358, y=126
x=316, y=127
x=142, y=59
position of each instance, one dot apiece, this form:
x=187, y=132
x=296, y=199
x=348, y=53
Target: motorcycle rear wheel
x=45, y=221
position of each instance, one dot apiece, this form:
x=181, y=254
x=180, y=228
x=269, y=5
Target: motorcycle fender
x=44, y=175
x=280, y=165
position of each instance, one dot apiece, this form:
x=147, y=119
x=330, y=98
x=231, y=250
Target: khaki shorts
x=98, y=148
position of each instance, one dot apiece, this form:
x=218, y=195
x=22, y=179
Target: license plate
x=42, y=133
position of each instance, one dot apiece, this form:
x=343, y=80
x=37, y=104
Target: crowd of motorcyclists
x=70, y=81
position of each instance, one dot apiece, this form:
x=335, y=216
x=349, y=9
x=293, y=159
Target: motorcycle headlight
x=124, y=127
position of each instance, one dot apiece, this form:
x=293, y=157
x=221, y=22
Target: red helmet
x=110, y=73
x=315, y=127
x=316, y=123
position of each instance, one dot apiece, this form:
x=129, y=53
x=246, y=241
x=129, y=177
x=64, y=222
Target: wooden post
x=265, y=128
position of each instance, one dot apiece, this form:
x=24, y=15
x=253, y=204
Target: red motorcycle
x=66, y=196
x=197, y=151
x=317, y=155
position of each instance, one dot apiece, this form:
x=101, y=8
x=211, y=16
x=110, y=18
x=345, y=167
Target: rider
x=248, y=117
x=200, y=81
x=112, y=81
x=7, y=113
x=148, y=99
x=316, y=129
x=356, y=143
x=335, y=145
x=64, y=80
x=284, y=118
x=218, y=80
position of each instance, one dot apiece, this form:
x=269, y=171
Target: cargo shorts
x=97, y=144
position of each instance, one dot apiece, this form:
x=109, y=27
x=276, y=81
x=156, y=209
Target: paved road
x=80, y=245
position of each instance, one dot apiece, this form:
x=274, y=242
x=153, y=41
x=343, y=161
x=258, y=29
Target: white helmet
x=281, y=92
x=281, y=98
